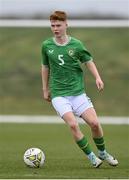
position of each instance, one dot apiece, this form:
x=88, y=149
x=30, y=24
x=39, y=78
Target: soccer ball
x=34, y=157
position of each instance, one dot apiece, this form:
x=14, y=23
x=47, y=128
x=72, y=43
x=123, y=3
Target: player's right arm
x=45, y=82
x=45, y=74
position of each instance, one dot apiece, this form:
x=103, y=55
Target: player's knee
x=73, y=125
x=94, y=125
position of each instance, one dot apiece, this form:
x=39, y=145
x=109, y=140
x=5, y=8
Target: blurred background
x=20, y=54
x=86, y=9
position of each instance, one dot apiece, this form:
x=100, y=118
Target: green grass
x=20, y=81
x=63, y=158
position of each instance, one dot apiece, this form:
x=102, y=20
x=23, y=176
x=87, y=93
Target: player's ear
x=66, y=23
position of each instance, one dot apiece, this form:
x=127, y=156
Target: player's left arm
x=93, y=69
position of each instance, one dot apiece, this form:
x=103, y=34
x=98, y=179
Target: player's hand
x=99, y=84
x=46, y=95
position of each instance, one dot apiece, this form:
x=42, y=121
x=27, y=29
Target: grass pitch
x=63, y=158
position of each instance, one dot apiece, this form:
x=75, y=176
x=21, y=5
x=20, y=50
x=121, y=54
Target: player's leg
x=71, y=121
x=63, y=107
x=82, y=142
x=91, y=119
x=83, y=107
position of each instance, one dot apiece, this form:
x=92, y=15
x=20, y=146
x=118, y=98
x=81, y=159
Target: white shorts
x=76, y=104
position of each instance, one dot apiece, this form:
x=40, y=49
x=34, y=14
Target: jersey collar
x=58, y=44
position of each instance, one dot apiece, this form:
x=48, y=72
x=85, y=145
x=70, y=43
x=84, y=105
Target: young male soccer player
x=63, y=84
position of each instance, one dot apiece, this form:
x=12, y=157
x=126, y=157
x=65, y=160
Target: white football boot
x=95, y=161
x=108, y=158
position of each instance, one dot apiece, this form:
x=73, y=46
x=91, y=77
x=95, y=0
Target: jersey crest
x=71, y=52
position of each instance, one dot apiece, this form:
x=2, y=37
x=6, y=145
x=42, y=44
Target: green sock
x=84, y=145
x=100, y=143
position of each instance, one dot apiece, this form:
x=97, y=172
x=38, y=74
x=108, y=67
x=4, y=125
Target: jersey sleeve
x=44, y=57
x=84, y=55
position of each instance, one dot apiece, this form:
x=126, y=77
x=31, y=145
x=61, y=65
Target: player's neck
x=62, y=40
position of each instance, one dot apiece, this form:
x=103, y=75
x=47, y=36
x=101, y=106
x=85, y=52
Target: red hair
x=58, y=15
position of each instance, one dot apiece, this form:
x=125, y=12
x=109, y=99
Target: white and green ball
x=34, y=157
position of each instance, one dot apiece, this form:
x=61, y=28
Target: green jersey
x=66, y=75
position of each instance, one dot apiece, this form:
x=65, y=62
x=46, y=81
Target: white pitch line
x=56, y=119
x=71, y=23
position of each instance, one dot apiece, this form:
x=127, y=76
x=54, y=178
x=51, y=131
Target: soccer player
x=63, y=85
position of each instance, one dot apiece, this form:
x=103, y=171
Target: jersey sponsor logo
x=51, y=51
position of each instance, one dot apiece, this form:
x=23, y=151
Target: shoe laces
x=93, y=160
x=105, y=155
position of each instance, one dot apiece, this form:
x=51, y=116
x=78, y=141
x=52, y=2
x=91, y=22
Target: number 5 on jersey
x=61, y=60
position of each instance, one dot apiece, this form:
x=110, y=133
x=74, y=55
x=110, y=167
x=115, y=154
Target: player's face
x=58, y=28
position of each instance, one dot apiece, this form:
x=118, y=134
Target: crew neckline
x=64, y=44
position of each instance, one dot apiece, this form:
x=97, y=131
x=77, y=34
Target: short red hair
x=58, y=15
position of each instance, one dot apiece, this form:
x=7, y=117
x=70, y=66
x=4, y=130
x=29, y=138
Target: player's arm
x=45, y=73
x=92, y=67
x=45, y=82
